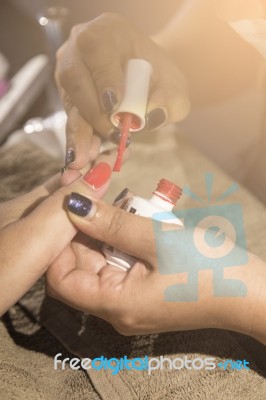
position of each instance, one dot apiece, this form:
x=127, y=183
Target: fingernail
x=79, y=205
x=121, y=195
x=109, y=100
x=116, y=136
x=98, y=175
x=155, y=118
x=70, y=156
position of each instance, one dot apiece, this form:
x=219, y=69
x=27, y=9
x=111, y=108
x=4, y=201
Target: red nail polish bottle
x=163, y=201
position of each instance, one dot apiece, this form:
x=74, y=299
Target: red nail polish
x=98, y=175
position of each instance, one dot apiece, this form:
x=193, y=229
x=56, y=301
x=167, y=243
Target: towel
x=38, y=327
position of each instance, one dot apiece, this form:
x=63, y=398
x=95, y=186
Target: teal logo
x=238, y=365
x=213, y=238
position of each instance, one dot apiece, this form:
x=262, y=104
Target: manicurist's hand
x=135, y=302
x=35, y=228
x=90, y=77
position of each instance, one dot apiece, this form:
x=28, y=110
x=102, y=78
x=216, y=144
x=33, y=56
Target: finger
x=106, y=62
x=69, y=175
x=95, y=148
x=81, y=144
x=75, y=80
x=85, y=274
x=103, y=59
x=63, y=279
x=88, y=254
x=124, y=231
x=30, y=245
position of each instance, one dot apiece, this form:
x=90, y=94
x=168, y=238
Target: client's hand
x=90, y=77
x=135, y=302
x=35, y=228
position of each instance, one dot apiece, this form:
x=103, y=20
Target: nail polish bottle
x=163, y=201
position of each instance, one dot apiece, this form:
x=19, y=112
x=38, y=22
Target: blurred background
x=229, y=129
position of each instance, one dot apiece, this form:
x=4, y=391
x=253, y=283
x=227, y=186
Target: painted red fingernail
x=98, y=175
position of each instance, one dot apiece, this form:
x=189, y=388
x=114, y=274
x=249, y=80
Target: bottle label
x=128, y=207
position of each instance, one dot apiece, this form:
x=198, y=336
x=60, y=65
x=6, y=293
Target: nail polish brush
x=130, y=116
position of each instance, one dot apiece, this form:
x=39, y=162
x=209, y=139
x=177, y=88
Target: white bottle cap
x=137, y=83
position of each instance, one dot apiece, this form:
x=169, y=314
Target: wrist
x=245, y=314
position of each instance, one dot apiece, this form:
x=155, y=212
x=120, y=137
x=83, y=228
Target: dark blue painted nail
x=109, y=100
x=70, y=156
x=79, y=205
x=116, y=136
x=155, y=118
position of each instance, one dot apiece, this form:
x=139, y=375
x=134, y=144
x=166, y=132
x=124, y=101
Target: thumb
x=129, y=233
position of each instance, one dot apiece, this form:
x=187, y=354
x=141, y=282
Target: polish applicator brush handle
x=137, y=83
x=130, y=116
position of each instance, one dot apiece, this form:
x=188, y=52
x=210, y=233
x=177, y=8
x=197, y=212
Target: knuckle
x=116, y=223
x=68, y=66
x=104, y=28
x=51, y=285
x=70, y=79
x=59, y=195
x=50, y=290
x=88, y=40
x=77, y=29
x=126, y=325
x=123, y=331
